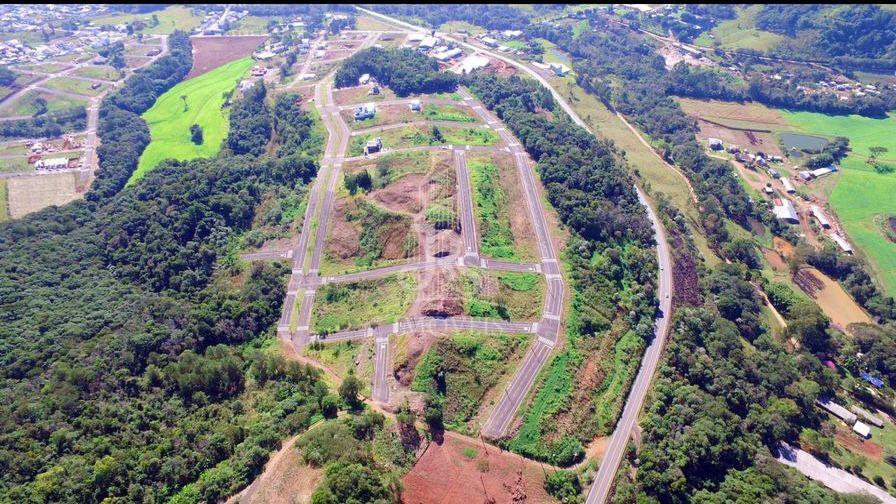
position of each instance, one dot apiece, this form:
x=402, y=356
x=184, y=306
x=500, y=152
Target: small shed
x=820, y=217
x=364, y=79
x=788, y=185
x=862, y=429
x=715, y=143
x=415, y=105
x=844, y=246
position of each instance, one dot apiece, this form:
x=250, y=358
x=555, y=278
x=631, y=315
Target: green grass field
x=76, y=86
x=25, y=105
x=862, y=198
x=491, y=211
x=448, y=113
x=169, y=124
x=355, y=305
x=741, y=33
x=98, y=72
x=505, y=296
x=170, y=19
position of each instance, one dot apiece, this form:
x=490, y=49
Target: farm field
x=212, y=52
x=358, y=304
x=104, y=72
x=77, y=86
x=366, y=22
x=863, y=198
x=26, y=105
x=171, y=18
x=500, y=209
x=32, y=193
x=741, y=33
x=49, y=68
x=170, y=117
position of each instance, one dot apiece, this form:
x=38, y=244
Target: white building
x=415, y=105
x=448, y=54
x=842, y=243
x=51, y=164
x=788, y=185
x=559, y=69
x=785, y=211
x=862, y=429
x=820, y=217
x=364, y=79
x=471, y=63
x=428, y=43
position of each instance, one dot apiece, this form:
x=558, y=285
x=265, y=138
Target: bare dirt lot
x=753, y=140
x=211, y=52
x=32, y=193
x=832, y=299
x=359, y=94
x=463, y=471
x=385, y=115
x=285, y=480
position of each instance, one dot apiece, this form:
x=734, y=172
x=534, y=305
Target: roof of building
x=842, y=243
x=788, y=185
x=862, y=429
x=470, y=63
x=822, y=218
x=837, y=410
x=785, y=211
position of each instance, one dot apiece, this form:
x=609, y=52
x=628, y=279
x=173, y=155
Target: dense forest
x=850, y=36
x=405, y=71
x=45, y=126
x=136, y=356
x=642, y=96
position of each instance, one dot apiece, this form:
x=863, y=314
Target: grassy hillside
x=170, y=118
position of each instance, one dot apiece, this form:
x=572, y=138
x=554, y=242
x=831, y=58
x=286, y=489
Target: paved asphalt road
x=599, y=491
x=380, y=370
x=465, y=201
x=603, y=481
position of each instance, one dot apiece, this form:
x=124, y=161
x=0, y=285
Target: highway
x=599, y=492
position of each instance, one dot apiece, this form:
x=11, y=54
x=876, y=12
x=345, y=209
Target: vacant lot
x=462, y=471
x=340, y=358
x=455, y=113
x=500, y=208
x=196, y=101
x=32, y=193
x=359, y=304
x=211, y=52
x=77, y=86
x=170, y=19
x=836, y=303
x=360, y=94
x=506, y=296
x=103, y=72
x=27, y=104
x=385, y=115
x=749, y=115
x=416, y=136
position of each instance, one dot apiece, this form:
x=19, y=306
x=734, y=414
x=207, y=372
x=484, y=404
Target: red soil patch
x=344, y=241
x=851, y=441
x=438, y=296
x=446, y=474
x=211, y=52
x=783, y=247
x=774, y=260
x=404, y=195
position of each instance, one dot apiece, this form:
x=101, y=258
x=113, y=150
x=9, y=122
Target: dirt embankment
x=211, y=52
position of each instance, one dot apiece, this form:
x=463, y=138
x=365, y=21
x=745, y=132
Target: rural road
x=831, y=477
x=599, y=492
x=465, y=201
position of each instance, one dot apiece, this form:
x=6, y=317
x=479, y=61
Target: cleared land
x=103, y=72
x=170, y=19
x=26, y=104
x=360, y=94
x=506, y=296
x=32, y=193
x=77, y=86
x=462, y=471
x=369, y=302
x=170, y=117
x=416, y=136
x=741, y=33
x=340, y=358
x=212, y=52
x=4, y=201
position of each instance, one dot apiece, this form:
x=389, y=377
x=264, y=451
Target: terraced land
x=196, y=101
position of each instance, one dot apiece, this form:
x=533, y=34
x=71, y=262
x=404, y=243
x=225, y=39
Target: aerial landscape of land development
x=447, y=253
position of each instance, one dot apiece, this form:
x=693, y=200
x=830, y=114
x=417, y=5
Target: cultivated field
x=26, y=104
x=171, y=116
x=741, y=33
x=211, y=52
x=32, y=193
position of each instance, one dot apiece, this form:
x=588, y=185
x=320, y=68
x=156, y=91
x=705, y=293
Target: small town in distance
x=447, y=253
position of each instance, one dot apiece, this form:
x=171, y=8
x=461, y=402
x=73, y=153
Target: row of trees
x=489, y=16
x=405, y=71
x=46, y=126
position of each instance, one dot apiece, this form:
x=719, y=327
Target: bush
x=196, y=134
x=565, y=486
